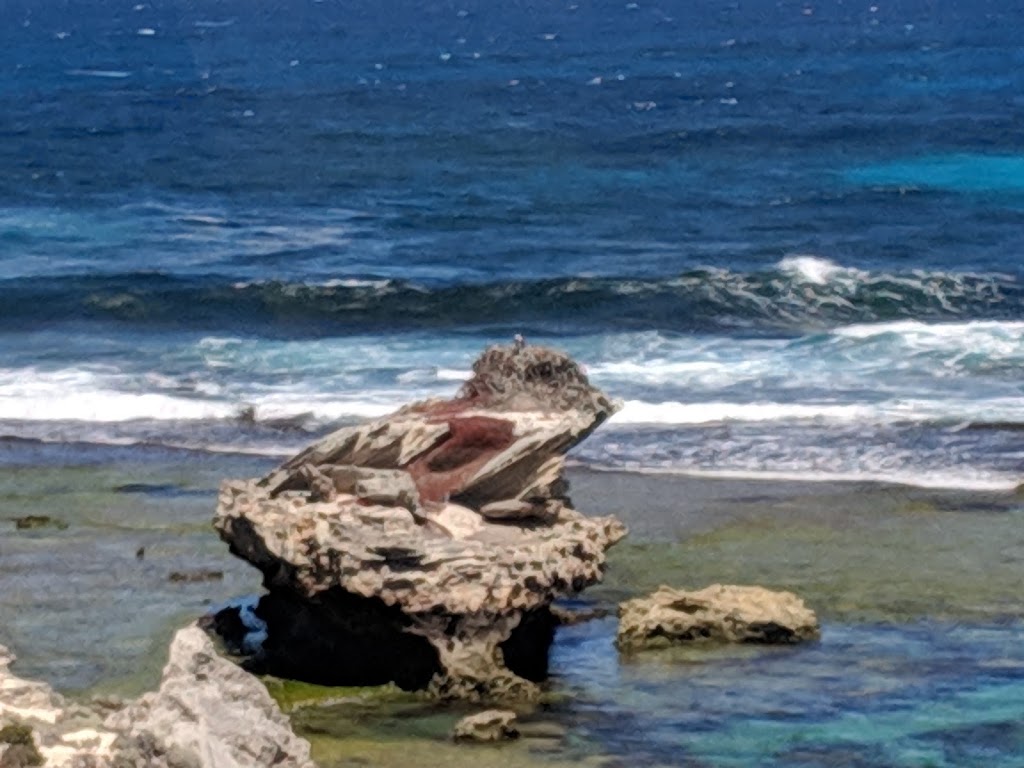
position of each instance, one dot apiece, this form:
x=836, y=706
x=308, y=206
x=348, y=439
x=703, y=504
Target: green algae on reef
x=108, y=632
x=21, y=749
x=291, y=695
x=853, y=553
x=416, y=733
x=387, y=727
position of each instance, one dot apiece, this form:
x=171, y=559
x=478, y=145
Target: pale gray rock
x=722, y=613
x=207, y=713
x=489, y=725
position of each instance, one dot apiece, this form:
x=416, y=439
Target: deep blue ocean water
x=787, y=235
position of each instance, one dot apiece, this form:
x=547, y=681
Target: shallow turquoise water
x=921, y=659
x=958, y=172
x=926, y=694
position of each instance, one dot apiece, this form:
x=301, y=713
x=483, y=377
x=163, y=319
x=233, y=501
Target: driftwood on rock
x=426, y=548
x=723, y=613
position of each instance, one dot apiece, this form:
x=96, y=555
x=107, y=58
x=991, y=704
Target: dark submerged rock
x=33, y=522
x=196, y=576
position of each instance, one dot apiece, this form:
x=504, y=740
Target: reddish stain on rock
x=472, y=441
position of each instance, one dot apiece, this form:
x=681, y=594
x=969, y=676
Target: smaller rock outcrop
x=723, y=613
x=207, y=713
x=490, y=725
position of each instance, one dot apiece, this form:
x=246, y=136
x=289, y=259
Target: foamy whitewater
x=935, y=404
x=783, y=266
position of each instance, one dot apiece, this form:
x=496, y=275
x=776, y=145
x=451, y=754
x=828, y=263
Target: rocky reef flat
x=917, y=593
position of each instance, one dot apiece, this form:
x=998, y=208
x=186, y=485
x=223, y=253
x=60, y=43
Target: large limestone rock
x=207, y=713
x=723, y=613
x=425, y=548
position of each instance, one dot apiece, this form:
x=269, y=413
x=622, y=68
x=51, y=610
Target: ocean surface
x=787, y=235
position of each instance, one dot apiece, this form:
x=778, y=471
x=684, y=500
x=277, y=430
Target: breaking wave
x=799, y=294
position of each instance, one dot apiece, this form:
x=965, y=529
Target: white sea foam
x=80, y=395
x=88, y=397
x=948, y=411
x=329, y=283
x=111, y=73
x=432, y=375
x=814, y=408
x=350, y=282
x=937, y=349
x=960, y=481
x=292, y=405
x=203, y=220
x=815, y=269
x=106, y=397
x=450, y=374
x=638, y=412
x=964, y=334
x=657, y=370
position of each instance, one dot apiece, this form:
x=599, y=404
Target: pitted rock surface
x=448, y=520
x=721, y=613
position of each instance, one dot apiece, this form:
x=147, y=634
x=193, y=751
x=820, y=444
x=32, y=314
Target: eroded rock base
x=337, y=638
x=347, y=640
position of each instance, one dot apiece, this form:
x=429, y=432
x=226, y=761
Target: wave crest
x=799, y=294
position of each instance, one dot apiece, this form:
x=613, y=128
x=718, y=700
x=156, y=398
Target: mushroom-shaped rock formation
x=425, y=548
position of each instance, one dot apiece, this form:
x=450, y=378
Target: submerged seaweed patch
x=21, y=751
x=292, y=695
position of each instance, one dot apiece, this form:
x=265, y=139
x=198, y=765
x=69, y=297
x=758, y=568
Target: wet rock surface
x=426, y=548
x=719, y=613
